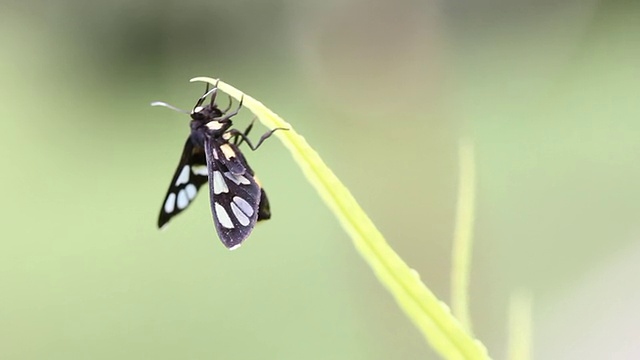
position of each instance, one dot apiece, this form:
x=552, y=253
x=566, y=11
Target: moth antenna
x=164, y=104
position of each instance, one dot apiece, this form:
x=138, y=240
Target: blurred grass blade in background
x=431, y=316
x=520, y=326
x=463, y=238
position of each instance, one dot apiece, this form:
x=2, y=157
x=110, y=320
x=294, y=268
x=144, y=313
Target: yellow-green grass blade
x=463, y=238
x=520, y=326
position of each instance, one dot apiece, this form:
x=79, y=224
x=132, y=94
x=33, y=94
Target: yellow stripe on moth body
x=257, y=181
x=214, y=125
x=227, y=151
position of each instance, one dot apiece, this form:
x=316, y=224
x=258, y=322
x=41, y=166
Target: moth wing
x=189, y=176
x=264, y=210
x=235, y=196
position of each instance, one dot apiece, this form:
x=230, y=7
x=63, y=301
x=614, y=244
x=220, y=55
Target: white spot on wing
x=170, y=204
x=235, y=246
x=243, y=205
x=183, y=201
x=183, y=178
x=242, y=218
x=197, y=109
x=191, y=191
x=200, y=170
x=223, y=217
x=238, y=179
x=219, y=185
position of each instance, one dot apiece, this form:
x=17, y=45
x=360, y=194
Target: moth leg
x=214, y=93
x=265, y=136
x=228, y=106
x=228, y=116
x=208, y=92
x=246, y=133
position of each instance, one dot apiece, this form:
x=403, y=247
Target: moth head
x=198, y=113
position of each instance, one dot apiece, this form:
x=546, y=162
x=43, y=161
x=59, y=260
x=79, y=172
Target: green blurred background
x=548, y=91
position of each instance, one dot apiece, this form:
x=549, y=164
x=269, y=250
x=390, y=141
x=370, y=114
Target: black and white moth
x=211, y=154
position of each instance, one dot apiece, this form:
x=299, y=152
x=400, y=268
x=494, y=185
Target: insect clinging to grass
x=212, y=155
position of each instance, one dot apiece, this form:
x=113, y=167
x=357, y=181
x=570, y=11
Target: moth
x=211, y=155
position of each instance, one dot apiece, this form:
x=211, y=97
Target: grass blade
x=463, y=238
x=431, y=316
x=520, y=326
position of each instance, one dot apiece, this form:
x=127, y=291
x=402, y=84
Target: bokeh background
x=547, y=90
